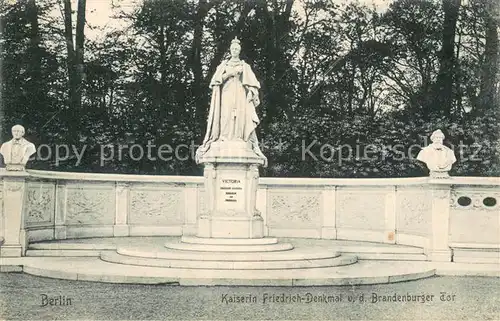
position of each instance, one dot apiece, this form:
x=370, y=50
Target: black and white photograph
x=249, y=160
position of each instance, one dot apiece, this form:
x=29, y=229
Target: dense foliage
x=347, y=91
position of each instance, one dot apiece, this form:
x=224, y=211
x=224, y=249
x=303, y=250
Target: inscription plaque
x=231, y=190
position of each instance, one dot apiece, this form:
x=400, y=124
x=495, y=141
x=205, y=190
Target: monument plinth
x=231, y=180
x=230, y=153
x=16, y=153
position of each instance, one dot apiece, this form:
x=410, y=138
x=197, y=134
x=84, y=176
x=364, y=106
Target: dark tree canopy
x=347, y=91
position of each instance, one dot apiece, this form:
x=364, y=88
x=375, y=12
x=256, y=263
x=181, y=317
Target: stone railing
x=447, y=217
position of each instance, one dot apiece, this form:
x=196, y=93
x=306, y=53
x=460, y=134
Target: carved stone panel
x=414, y=210
x=1, y=197
x=14, y=186
x=471, y=220
x=361, y=208
x=150, y=206
x=202, y=204
x=40, y=203
x=474, y=227
x=90, y=204
x=1, y=209
x=294, y=209
x=473, y=199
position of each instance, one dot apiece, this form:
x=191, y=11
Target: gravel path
x=475, y=298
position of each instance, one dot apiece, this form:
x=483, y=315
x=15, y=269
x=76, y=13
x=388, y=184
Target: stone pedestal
x=14, y=167
x=439, y=248
x=231, y=180
x=439, y=174
x=14, y=243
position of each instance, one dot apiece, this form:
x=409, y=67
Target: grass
x=20, y=299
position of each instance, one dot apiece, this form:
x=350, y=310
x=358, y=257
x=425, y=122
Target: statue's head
x=437, y=137
x=17, y=131
x=235, y=48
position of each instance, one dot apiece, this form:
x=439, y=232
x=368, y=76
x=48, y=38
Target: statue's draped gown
x=232, y=113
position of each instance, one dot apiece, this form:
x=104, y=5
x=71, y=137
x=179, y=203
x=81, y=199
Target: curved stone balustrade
x=461, y=213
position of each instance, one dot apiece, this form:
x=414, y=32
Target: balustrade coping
x=269, y=181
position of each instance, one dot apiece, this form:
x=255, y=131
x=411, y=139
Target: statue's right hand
x=228, y=75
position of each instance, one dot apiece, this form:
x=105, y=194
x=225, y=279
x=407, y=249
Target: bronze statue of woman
x=235, y=95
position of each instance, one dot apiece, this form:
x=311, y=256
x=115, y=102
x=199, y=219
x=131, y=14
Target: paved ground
x=21, y=296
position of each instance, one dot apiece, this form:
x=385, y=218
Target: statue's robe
x=232, y=114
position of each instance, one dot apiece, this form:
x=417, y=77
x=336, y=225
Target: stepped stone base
x=229, y=254
x=223, y=241
x=208, y=265
x=229, y=245
x=230, y=248
x=146, y=260
x=96, y=270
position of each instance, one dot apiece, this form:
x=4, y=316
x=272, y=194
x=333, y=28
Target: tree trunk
x=196, y=67
x=350, y=91
x=75, y=50
x=489, y=74
x=278, y=26
x=34, y=41
x=35, y=85
x=79, y=48
x=3, y=124
x=70, y=47
x=444, y=82
x=161, y=99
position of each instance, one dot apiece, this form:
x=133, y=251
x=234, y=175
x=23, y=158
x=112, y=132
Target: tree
x=445, y=81
x=489, y=73
x=338, y=74
x=75, y=57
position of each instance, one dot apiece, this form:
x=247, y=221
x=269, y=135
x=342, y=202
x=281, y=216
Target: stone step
x=62, y=252
x=389, y=249
x=115, y=257
x=313, y=253
x=354, y=248
x=389, y=256
x=363, y=253
x=221, y=241
x=360, y=256
x=94, y=269
x=71, y=246
x=476, y=260
x=230, y=248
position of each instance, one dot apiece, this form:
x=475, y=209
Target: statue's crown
x=235, y=41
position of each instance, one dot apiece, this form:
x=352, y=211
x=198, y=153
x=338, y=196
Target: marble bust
x=235, y=96
x=17, y=151
x=437, y=156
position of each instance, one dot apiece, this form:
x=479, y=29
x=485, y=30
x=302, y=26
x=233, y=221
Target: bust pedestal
x=231, y=181
x=438, y=174
x=14, y=167
x=14, y=243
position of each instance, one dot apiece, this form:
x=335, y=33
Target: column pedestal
x=15, y=242
x=439, y=248
x=231, y=181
